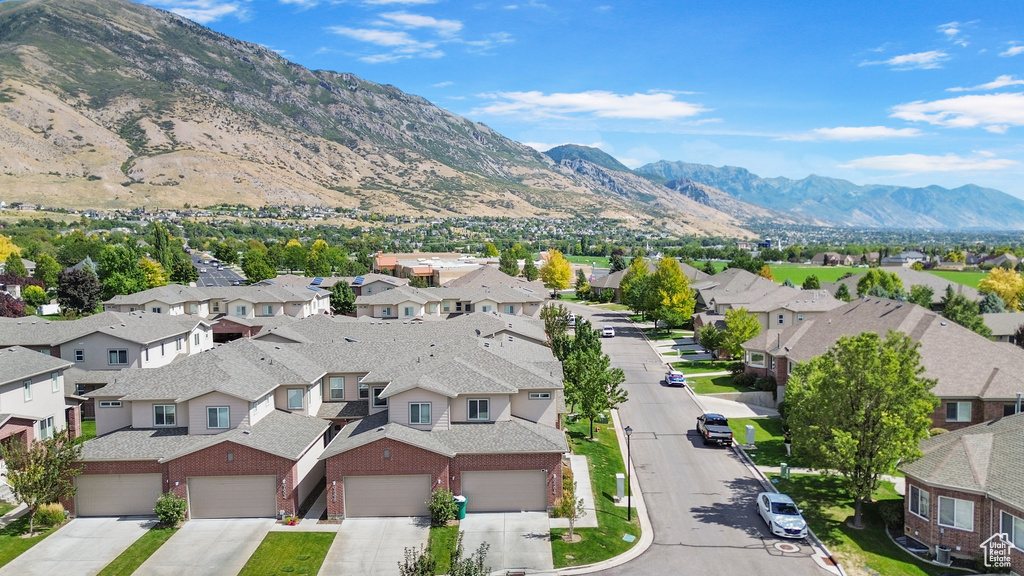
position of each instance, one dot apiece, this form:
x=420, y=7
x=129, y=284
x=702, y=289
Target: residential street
x=700, y=499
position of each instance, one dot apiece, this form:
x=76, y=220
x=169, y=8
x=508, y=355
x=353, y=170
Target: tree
x=709, y=268
x=14, y=266
x=1018, y=336
x=921, y=295
x=120, y=271
x=490, y=250
x=556, y=324
x=530, y=269
x=811, y=283
x=1006, y=284
x=7, y=248
x=418, y=282
x=47, y=270
x=343, y=298
x=590, y=381
x=316, y=261
x=293, y=256
x=11, y=307
x=991, y=304
x=42, y=472
x=740, y=326
x=34, y=296
x=183, y=272
x=153, y=272
x=472, y=565
x=964, y=312
x=556, y=272
x=710, y=338
x=582, y=285
x=675, y=300
x=417, y=563
x=508, y=263
x=163, y=252
x=617, y=263
x=571, y=507
x=636, y=286
x=78, y=290
x=860, y=408
x=889, y=281
x=843, y=293
x=521, y=252
x=766, y=272
x=256, y=266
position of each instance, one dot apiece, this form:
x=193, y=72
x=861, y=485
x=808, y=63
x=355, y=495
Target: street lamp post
x=629, y=487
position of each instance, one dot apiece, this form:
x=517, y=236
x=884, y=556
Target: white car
x=608, y=332
x=782, y=515
x=202, y=270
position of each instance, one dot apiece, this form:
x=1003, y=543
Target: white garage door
x=232, y=496
x=505, y=490
x=117, y=494
x=387, y=495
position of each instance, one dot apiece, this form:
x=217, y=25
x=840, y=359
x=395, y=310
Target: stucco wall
x=499, y=407
x=238, y=412
x=541, y=411
x=399, y=408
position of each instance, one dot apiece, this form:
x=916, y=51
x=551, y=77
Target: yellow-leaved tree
x=556, y=272
x=7, y=248
x=1006, y=284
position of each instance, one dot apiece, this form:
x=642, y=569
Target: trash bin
x=460, y=501
x=784, y=470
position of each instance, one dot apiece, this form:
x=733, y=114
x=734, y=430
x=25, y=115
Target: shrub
x=783, y=411
x=417, y=563
x=766, y=383
x=442, y=507
x=170, y=509
x=736, y=368
x=891, y=512
x=747, y=380
x=937, y=431
x=50, y=514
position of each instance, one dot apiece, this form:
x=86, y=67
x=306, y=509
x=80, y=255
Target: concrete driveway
x=208, y=547
x=82, y=546
x=374, y=546
x=518, y=540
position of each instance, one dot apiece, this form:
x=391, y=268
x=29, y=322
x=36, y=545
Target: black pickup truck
x=714, y=429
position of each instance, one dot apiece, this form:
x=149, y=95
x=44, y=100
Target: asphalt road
x=700, y=498
x=214, y=277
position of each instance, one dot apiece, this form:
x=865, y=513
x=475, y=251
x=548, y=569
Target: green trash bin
x=784, y=470
x=460, y=501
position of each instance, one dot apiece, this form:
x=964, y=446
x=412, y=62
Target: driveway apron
x=83, y=546
x=374, y=546
x=208, y=548
x=517, y=540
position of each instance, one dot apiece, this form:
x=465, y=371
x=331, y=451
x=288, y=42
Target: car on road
x=714, y=429
x=202, y=270
x=608, y=332
x=781, y=515
x=675, y=378
x=236, y=282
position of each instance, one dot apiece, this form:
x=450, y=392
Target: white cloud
x=599, y=103
x=201, y=11
x=920, y=163
x=408, y=21
x=1000, y=82
x=1013, y=50
x=853, y=134
x=992, y=112
x=953, y=31
x=443, y=84
x=378, y=37
x=916, y=61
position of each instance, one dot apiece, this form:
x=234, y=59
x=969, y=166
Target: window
x=407, y=311
x=478, y=409
x=45, y=352
x=156, y=310
x=193, y=308
x=385, y=311
x=241, y=311
x=369, y=290
x=46, y=428
x=268, y=310
x=295, y=398
x=216, y=306
x=161, y=348
x=79, y=355
x=163, y=415
x=110, y=404
x=799, y=317
x=364, y=390
x=458, y=306
x=177, y=344
x=217, y=417
x=419, y=413
x=486, y=308
x=433, y=308
x=956, y=513
x=756, y=359
x=958, y=412
x=920, y=503
x=446, y=306
x=1009, y=409
x=27, y=385
x=337, y=387
x=540, y=395
x=773, y=364
x=117, y=357
x=54, y=382
x=195, y=338
x=147, y=354
x=782, y=319
x=510, y=309
x=377, y=400
x=1012, y=527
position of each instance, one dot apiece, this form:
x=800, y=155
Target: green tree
x=508, y=263
x=617, y=263
x=637, y=286
x=14, y=266
x=153, y=273
x=860, y=408
x=888, y=281
x=47, y=270
x=709, y=268
x=711, y=338
x=343, y=298
x=78, y=290
x=256, y=266
x=591, y=382
x=571, y=507
x=521, y=252
x=811, y=283
x=921, y=295
x=556, y=324
x=556, y=272
x=582, y=285
x=163, y=251
x=294, y=256
x=418, y=282
x=43, y=471
x=991, y=304
x=843, y=293
x=675, y=300
x=964, y=312
x=316, y=261
x=740, y=326
x=183, y=272
x=530, y=269
x=120, y=272
x=490, y=250
x=34, y=296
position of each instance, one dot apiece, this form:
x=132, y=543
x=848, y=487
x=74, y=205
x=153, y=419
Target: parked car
x=675, y=378
x=572, y=320
x=608, y=332
x=782, y=515
x=714, y=429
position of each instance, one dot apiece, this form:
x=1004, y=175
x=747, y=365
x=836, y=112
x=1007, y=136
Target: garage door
x=387, y=495
x=232, y=496
x=117, y=494
x=505, y=490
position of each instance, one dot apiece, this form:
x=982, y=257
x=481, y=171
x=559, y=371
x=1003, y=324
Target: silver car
x=782, y=515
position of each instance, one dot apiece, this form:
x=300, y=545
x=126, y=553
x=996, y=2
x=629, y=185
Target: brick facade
x=16, y=426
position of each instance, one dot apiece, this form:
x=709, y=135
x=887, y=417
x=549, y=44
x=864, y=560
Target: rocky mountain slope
x=844, y=203
x=109, y=103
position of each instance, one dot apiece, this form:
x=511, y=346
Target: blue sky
x=906, y=93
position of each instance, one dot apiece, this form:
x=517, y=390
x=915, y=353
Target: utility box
x=784, y=470
x=620, y=486
x=750, y=434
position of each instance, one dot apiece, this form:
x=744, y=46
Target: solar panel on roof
x=359, y=280
x=316, y=281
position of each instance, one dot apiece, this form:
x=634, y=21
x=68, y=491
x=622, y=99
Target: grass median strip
x=140, y=550
x=12, y=544
x=716, y=385
x=289, y=553
x=605, y=541
x=441, y=545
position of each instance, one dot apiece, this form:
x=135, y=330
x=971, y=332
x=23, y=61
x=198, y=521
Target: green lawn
x=701, y=366
x=827, y=509
x=605, y=541
x=599, y=261
x=771, y=450
x=441, y=545
x=971, y=279
x=662, y=334
x=716, y=385
x=133, y=557
x=611, y=306
x=88, y=429
x=5, y=508
x=11, y=542
x=289, y=552
x=797, y=273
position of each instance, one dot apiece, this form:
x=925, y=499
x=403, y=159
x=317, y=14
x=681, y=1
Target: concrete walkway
x=731, y=409
x=899, y=483
x=584, y=490
x=374, y=546
x=518, y=541
x=82, y=547
x=208, y=548
x=13, y=515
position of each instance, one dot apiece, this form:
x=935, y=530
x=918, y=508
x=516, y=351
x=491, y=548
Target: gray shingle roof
x=492, y=276
x=910, y=277
x=138, y=444
x=279, y=433
x=1003, y=323
x=139, y=327
x=376, y=427
x=175, y=294
x=346, y=410
x=17, y=363
x=984, y=458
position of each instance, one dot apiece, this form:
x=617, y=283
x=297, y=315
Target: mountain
x=592, y=155
x=743, y=211
x=113, y=104
x=844, y=203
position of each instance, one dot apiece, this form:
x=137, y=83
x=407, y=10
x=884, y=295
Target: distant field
x=797, y=273
x=966, y=278
x=599, y=261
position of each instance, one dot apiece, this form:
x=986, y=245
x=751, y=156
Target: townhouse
x=1004, y=325
x=777, y=307
x=405, y=303
x=32, y=402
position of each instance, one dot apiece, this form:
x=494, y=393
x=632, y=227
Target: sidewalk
x=584, y=491
x=13, y=515
x=899, y=483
